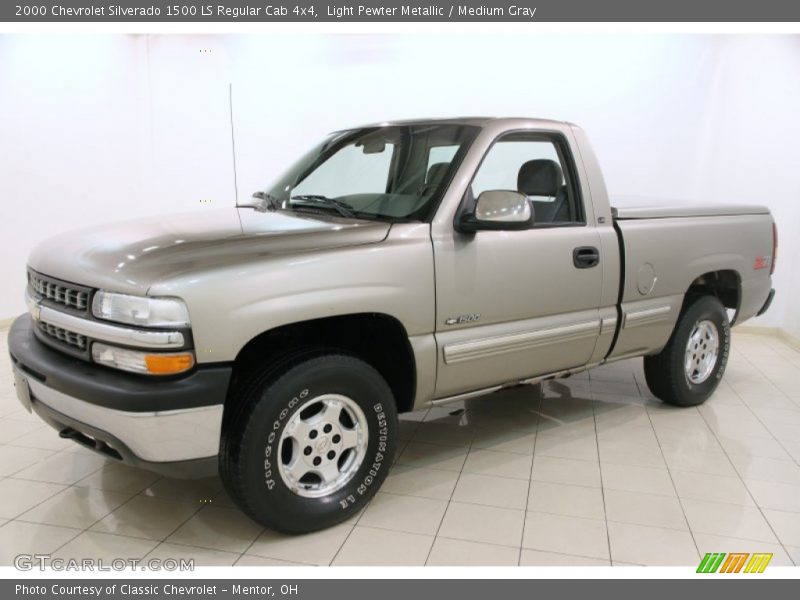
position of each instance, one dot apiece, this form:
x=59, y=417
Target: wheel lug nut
x=317, y=460
x=307, y=450
x=337, y=438
x=331, y=455
x=327, y=428
x=312, y=434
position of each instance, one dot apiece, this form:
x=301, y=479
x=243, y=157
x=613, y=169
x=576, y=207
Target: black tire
x=251, y=441
x=665, y=372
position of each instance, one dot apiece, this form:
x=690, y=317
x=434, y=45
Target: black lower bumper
x=102, y=386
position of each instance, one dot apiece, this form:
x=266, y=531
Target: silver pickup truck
x=393, y=267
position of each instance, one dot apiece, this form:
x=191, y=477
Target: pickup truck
x=394, y=267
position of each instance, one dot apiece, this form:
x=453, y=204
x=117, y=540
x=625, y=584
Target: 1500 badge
x=461, y=319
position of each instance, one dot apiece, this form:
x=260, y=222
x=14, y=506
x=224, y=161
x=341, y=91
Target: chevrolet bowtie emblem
x=36, y=310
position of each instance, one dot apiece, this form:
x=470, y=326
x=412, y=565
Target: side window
x=441, y=154
x=350, y=171
x=536, y=167
x=439, y=159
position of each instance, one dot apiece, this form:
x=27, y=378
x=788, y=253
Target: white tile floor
x=586, y=471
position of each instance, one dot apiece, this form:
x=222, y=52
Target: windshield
x=396, y=172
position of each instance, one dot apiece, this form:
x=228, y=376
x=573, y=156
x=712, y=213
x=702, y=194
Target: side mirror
x=498, y=210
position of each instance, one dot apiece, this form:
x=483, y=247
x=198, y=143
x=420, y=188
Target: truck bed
x=667, y=246
x=627, y=208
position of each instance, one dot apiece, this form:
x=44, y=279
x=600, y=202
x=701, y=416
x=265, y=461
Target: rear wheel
x=308, y=446
x=687, y=371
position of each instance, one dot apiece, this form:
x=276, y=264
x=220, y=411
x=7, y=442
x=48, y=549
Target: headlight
x=161, y=363
x=140, y=310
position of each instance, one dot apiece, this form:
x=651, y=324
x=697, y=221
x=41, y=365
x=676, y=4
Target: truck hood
x=131, y=256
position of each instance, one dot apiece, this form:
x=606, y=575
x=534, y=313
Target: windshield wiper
x=262, y=202
x=343, y=208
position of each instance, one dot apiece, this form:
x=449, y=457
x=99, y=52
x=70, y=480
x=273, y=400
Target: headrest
x=540, y=177
x=436, y=173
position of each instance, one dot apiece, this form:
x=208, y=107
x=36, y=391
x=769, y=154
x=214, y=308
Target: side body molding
x=483, y=348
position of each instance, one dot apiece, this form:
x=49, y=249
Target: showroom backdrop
x=102, y=128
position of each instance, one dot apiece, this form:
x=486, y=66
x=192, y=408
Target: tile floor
x=586, y=471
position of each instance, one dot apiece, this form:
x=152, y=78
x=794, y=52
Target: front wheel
x=309, y=446
x=687, y=371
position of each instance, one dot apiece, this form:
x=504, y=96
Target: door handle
x=585, y=257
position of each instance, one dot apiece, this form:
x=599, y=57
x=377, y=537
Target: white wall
x=100, y=128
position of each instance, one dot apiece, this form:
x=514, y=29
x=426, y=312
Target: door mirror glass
x=498, y=210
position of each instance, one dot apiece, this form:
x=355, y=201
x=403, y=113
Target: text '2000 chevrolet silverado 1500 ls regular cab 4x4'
x=393, y=267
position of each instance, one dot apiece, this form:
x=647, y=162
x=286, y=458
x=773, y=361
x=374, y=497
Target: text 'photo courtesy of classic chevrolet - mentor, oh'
x=393, y=267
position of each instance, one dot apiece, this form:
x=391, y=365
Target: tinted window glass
x=536, y=167
x=393, y=172
x=349, y=171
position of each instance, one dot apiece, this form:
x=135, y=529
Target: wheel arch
x=378, y=339
x=723, y=284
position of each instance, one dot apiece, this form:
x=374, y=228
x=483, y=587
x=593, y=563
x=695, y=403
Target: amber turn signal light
x=168, y=364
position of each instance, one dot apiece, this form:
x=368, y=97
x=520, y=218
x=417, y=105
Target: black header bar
x=310, y=11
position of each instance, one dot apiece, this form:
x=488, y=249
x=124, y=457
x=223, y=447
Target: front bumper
x=170, y=425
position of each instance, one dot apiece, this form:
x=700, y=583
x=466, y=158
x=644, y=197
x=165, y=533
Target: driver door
x=513, y=305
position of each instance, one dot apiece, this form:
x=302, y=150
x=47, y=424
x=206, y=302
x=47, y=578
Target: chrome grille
x=76, y=340
x=59, y=292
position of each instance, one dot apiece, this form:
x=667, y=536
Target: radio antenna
x=233, y=146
